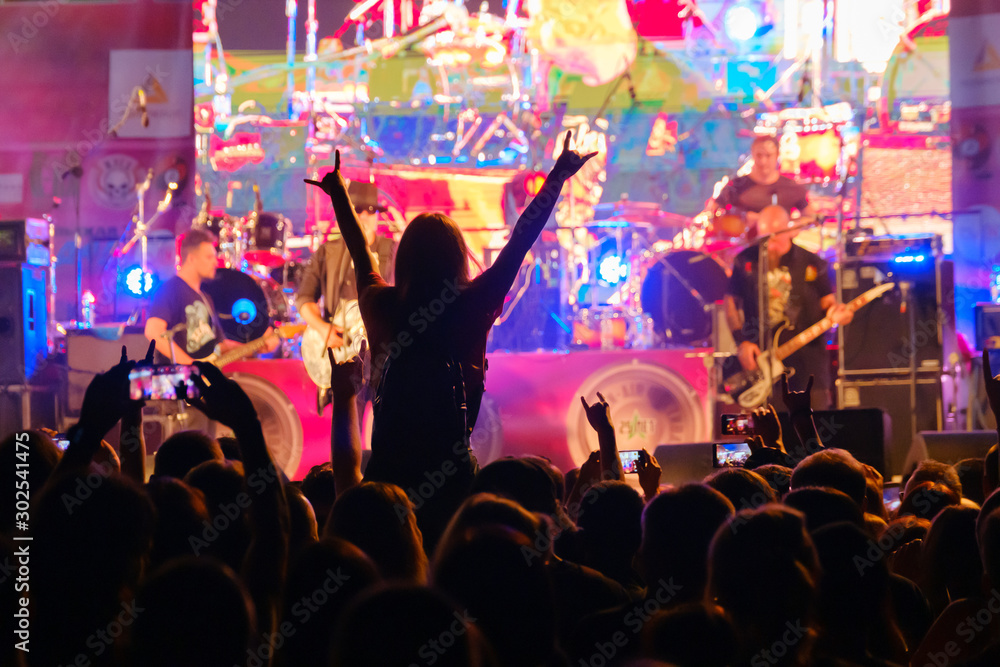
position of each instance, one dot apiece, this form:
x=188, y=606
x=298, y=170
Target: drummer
x=764, y=186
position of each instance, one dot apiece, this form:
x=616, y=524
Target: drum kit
x=651, y=278
x=257, y=276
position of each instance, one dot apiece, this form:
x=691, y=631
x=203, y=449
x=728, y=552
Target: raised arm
x=500, y=276
x=345, y=435
x=333, y=184
x=132, y=442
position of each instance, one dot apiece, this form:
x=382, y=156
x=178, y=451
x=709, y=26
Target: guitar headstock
x=870, y=295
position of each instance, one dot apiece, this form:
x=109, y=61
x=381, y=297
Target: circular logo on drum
x=650, y=406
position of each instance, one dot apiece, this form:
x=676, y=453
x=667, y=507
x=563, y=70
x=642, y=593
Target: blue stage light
x=138, y=283
x=612, y=269
x=244, y=311
x=909, y=259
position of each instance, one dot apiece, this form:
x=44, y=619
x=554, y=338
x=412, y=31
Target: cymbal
x=617, y=223
x=648, y=212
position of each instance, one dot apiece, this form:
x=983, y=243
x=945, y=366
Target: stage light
x=612, y=269
x=909, y=259
x=139, y=283
x=740, y=22
x=244, y=311
x=533, y=183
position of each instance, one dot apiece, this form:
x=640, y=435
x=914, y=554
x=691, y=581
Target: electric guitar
x=347, y=322
x=285, y=331
x=751, y=388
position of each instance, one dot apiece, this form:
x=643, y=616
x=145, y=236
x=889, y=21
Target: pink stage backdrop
x=532, y=405
x=68, y=74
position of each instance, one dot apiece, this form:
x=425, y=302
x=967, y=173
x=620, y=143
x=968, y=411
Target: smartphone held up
x=159, y=383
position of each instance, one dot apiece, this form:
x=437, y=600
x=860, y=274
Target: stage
x=531, y=406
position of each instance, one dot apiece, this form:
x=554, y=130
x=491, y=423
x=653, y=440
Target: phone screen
x=890, y=495
x=159, y=383
x=630, y=460
x=731, y=454
x=741, y=424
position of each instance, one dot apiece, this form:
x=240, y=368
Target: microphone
x=142, y=106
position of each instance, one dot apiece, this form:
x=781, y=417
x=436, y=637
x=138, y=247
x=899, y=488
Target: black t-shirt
x=176, y=303
x=745, y=193
x=796, y=287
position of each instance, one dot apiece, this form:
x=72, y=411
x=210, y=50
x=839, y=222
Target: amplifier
x=913, y=322
x=25, y=241
x=897, y=247
x=911, y=406
x=23, y=323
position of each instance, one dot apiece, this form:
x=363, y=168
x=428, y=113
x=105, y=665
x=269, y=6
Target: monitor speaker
x=948, y=446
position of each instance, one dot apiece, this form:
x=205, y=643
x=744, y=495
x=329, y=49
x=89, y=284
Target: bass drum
x=671, y=290
x=247, y=305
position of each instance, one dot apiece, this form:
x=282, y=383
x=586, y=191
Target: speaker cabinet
x=916, y=318
x=23, y=322
x=911, y=406
x=948, y=446
x=863, y=432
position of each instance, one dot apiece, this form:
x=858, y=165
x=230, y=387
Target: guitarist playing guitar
x=330, y=275
x=799, y=293
x=182, y=319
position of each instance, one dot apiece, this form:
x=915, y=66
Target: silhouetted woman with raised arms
x=428, y=332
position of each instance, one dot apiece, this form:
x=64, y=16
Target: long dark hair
x=431, y=251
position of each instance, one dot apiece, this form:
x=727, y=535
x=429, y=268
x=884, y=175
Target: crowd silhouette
x=218, y=560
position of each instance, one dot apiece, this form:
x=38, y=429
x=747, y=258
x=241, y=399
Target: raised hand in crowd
x=588, y=475
x=767, y=426
x=599, y=417
x=649, y=474
x=105, y=402
x=346, y=381
x=569, y=161
x=131, y=440
x=799, y=404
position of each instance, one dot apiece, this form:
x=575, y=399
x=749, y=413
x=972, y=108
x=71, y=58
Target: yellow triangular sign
x=988, y=59
x=154, y=91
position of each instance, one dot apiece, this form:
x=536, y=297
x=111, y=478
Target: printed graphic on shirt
x=199, y=326
x=779, y=283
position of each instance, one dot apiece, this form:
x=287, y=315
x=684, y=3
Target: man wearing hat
x=330, y=273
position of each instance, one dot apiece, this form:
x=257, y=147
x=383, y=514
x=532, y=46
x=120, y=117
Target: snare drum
x=266, y=235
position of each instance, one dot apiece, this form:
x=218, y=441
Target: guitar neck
x=807, y=336
x=238, y=353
